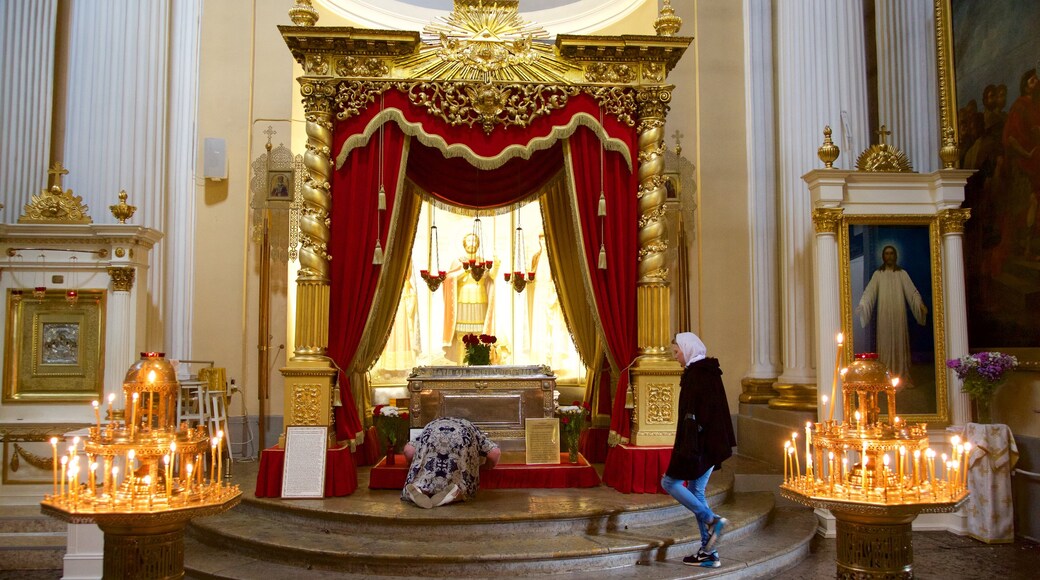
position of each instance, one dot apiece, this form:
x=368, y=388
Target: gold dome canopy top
x=883, y=157
x=866, y=372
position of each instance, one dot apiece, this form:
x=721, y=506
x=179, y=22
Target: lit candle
x=858, y=416
x=808, y=453
x=114, y=484
x=131, y=477
x=166, y=463
x=111, y=399
x=787, y=458
x=213, y=459
x=884, y=470
x=830, y=468
x=825, y=409
x=97, y=416
x=54, y=450
x=133, y=414
x=930, y=455
x=794, y=451
x=791, y=454
x=220, y=457
x=188, y=468
x=64, y=463
x=967, y=454
x=91, y=478
x=917, y=467
x=902, y=459
x=73, y=492
x=844, y=467
x=834, y=382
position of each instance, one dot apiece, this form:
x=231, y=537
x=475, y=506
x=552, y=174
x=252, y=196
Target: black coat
x=704, y=436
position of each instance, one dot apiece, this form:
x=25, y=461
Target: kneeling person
x=445, y=462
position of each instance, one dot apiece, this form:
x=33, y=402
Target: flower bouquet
x=478, y=348
x=389, y=423
x=981, y=373
x=572, y=423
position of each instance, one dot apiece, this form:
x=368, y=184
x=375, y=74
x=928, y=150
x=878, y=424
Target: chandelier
x=433, y=275
x=516, y=276
x=474, y=261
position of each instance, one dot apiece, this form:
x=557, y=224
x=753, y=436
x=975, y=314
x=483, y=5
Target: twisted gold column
x=655, y=377
x=312, y=303
x=310, y=374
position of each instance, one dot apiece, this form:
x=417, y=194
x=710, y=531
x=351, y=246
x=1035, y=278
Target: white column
x=822, y=81
x=120, y=334
x=26, y=96
x=828, y=317
x=908, y=101
x=177, y=255
x=765, y=300
x=956, y=316
x=116, y=115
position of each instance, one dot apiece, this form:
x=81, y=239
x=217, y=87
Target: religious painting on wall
x=892, y=306
x=54, y=349
x=993, y=51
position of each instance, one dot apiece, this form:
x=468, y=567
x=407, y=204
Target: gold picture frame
x=980, y=77
x=869, y=317
x=280, y=186
x=54, y=350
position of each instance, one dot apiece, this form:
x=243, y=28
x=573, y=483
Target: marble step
x=27, y=518
x=246, y=541
x=757, y=547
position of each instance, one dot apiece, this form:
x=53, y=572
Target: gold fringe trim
x=586, y=272
x=481, y=211
x=480, y=161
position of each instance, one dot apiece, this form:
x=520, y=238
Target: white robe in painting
x=891, y=291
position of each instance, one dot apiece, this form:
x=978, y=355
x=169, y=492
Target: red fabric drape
x=353, y=277
x=474, y=138
x=615, y=287
x=636, y=469
x=458, y=182
x=340, y=473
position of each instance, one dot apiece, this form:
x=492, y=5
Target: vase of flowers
x=389, y=422
x=980, y=374
x=478, y=348
x=572, y=423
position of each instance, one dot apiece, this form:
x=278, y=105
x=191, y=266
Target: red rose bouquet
x=478, y=348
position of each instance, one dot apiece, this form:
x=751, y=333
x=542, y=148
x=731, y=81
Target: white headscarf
x=691, y=346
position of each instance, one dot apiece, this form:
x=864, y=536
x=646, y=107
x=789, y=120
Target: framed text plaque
x=304, y=472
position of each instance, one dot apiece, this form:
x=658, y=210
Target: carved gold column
x=655, y=375
x=309, y=374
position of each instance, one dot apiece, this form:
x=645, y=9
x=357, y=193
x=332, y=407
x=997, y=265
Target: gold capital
x=951, y=221
x=122, y=278
x=826, y=219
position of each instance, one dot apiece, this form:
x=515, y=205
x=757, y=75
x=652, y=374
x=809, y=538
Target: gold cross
x=678, y=145
x=270, y=132
x=882, y=133
x=56, y=171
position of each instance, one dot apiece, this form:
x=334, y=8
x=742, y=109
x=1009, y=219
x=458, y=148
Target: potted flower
x=980, y=374
x=389, y=423
x=572, y=423
x=478, y=348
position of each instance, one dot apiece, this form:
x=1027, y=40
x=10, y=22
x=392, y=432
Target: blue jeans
x=692, y=498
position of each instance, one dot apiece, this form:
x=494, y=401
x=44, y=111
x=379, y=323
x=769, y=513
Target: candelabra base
x=152, y=553
x=874, y=546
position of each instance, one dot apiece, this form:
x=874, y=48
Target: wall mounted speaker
x=214, y=159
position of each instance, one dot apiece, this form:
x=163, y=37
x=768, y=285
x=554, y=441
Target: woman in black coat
x=703, y=440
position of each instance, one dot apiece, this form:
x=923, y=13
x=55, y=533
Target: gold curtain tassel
x=602, y=256
x=382, y=198
x=602, y=212
x=377, y=258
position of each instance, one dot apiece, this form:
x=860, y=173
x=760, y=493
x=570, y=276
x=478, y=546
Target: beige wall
x=245, y=75
x=708, y=109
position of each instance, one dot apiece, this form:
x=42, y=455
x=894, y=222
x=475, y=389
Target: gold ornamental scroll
x=655, y=376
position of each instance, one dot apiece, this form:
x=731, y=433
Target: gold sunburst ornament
x=883, y=157
x=55, y=205
x=487, y=42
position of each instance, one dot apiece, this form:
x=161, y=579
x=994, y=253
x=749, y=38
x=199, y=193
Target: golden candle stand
x=143, y=516
x=873, y=501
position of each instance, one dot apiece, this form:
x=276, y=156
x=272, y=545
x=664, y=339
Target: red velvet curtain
x=353, y=277
x=614, y=287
